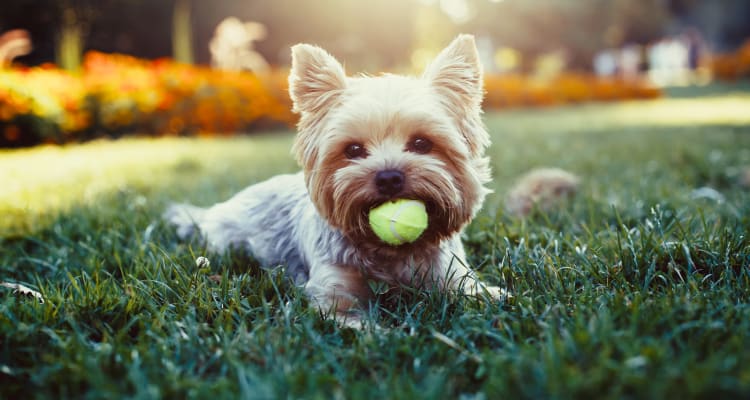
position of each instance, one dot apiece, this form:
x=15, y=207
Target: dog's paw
x=496, y=293
x=355, y=323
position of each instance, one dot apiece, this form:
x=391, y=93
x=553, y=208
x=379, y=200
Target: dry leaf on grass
x=744, y=178
x=18, y=288
x=541, y=187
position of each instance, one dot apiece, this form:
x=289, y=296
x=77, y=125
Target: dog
x=363, y=141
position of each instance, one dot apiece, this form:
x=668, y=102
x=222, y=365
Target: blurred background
x=79, y=69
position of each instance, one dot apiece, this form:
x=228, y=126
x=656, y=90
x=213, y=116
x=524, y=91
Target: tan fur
x=543, y=188
x=384, y=114
x=377, y=112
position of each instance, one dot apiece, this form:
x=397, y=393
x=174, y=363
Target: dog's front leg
x=462, y=279
x=339, y=291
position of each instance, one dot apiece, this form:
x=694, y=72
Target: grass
x=635, y=289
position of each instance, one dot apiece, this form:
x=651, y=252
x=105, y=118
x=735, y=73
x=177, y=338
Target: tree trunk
x=182, y=34
x=70, y=42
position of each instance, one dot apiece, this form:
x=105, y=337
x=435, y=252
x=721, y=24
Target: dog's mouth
x=429, y=205
x=431, y=209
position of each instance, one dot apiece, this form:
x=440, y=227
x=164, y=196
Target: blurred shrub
x=166, y=98
x=732, y=66
x=115, y=95
x=519, y=90
x=41, y=104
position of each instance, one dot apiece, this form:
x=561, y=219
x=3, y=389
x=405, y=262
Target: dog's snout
x=389, y=182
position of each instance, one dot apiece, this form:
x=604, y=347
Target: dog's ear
x=456, y=72
x=316, y=79
x=456, y=75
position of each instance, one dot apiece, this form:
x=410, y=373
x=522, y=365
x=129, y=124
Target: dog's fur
x=315, y=221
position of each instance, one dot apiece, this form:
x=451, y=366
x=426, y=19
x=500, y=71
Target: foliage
x=42, y=101
x=636, y=289
x=732, y=66
x=117, y=95
x=518, y=90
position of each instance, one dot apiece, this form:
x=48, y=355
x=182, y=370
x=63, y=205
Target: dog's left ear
x=456, y=74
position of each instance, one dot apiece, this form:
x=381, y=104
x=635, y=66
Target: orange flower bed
x=166, y=98
x=116, y=94
x=732, y=66
x=41, y=100
x=521, y=91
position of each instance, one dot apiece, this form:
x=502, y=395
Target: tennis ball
x=398, y=222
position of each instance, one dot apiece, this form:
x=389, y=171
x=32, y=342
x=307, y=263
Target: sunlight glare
x=458, y=10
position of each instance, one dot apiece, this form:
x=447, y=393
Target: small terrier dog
x=363, y=141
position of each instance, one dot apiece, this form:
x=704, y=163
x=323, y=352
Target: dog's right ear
x=316, y=79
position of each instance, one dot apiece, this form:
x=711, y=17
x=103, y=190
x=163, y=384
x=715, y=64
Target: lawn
x=638, y=287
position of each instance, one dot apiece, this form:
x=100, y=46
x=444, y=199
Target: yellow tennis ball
x=398, y=222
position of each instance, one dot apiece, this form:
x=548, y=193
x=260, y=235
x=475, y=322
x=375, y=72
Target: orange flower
x=12, y=133
x=120, y=93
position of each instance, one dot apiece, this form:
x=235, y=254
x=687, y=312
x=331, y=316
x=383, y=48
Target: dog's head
x=365, y=140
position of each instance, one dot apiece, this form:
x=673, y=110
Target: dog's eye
x=355, y=150
x=420, y=145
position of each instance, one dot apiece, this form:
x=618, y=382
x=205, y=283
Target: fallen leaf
x=18, y=288
x=541, y=187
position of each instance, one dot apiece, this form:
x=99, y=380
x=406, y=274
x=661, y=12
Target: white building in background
x=668, y=61
x=605, y=63
x=630, y=62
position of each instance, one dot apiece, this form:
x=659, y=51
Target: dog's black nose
x=389, y=182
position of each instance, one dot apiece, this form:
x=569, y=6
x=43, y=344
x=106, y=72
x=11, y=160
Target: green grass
x=634, y=289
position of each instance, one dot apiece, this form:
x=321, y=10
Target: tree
x=73, y=25
x=182, y=33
